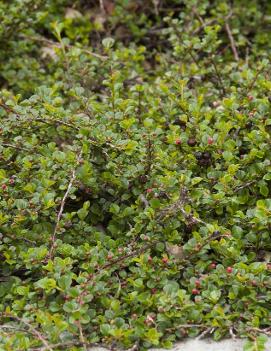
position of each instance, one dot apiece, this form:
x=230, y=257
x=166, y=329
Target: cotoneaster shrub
x=135, y=177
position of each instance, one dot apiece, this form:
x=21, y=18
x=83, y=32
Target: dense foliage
x=135, y=172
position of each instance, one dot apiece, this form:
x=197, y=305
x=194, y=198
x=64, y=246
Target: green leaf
x=47, y=284
x=171, y=287
x=153, y=336
x=108, y=43
x=105, y=329
x=65, y=281
x=228, y=156
x=264, y=190
x=82, y=213
x=21, y=204
x=70, y=306
x=155, y=203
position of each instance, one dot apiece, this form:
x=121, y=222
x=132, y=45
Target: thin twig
x=82, y=338
x=149, y=157
x=62, y=205
x=14, y=237
x=232, y=41
x=18, y=329
x=195, y=12
x=265, y=331
x=7, y=108
x=186, y=326
x=15, y=147
x=129, y=255
x=65, y=345
x=251, y=85
x=119, y=260
x=58, y=45
x=247, y=56
x=102, y=6
x=39, y=119
x=222, y=88
x=54, y=122
x=57, y=121
x=31, y=329
x=156, y=6
x=135, y=347
x=203, y=23
x=204, y=333
x=179, y=206
x=238, y=188
x=233, y=336
x=202, y=26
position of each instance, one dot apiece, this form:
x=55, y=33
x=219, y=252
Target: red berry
x=210, y=141
x=4, y=187
x=195, y=291
x=149, y=190
x=109, y=256
x=165, y=260
x=149, y=259
x=178, y=141
x=153, y=290
x=229, y=269
x=149, y=320
x=250, y=97
x=11, y=181
x=213, y=265
x=145, y=237
x=197, y=283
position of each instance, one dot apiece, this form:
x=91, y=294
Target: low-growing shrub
x=135, y=175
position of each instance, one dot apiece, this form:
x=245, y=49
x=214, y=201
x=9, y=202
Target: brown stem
x=33, y=331
x=43, y=120
x=266, y=331
x=55, y=122
x=58, y=45
x=149, y=157
x=251, y=85
x=186, y=326
x=102, y=6
x=67, y=345
x=222, y=89
x=238, y=188
x=15, y=147
x=82, y=338
x=62, y=205
x=232, y=41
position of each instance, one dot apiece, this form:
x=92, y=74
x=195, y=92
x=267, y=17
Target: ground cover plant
x=135, y=173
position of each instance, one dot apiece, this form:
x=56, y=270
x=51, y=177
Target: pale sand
x=203, y=345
